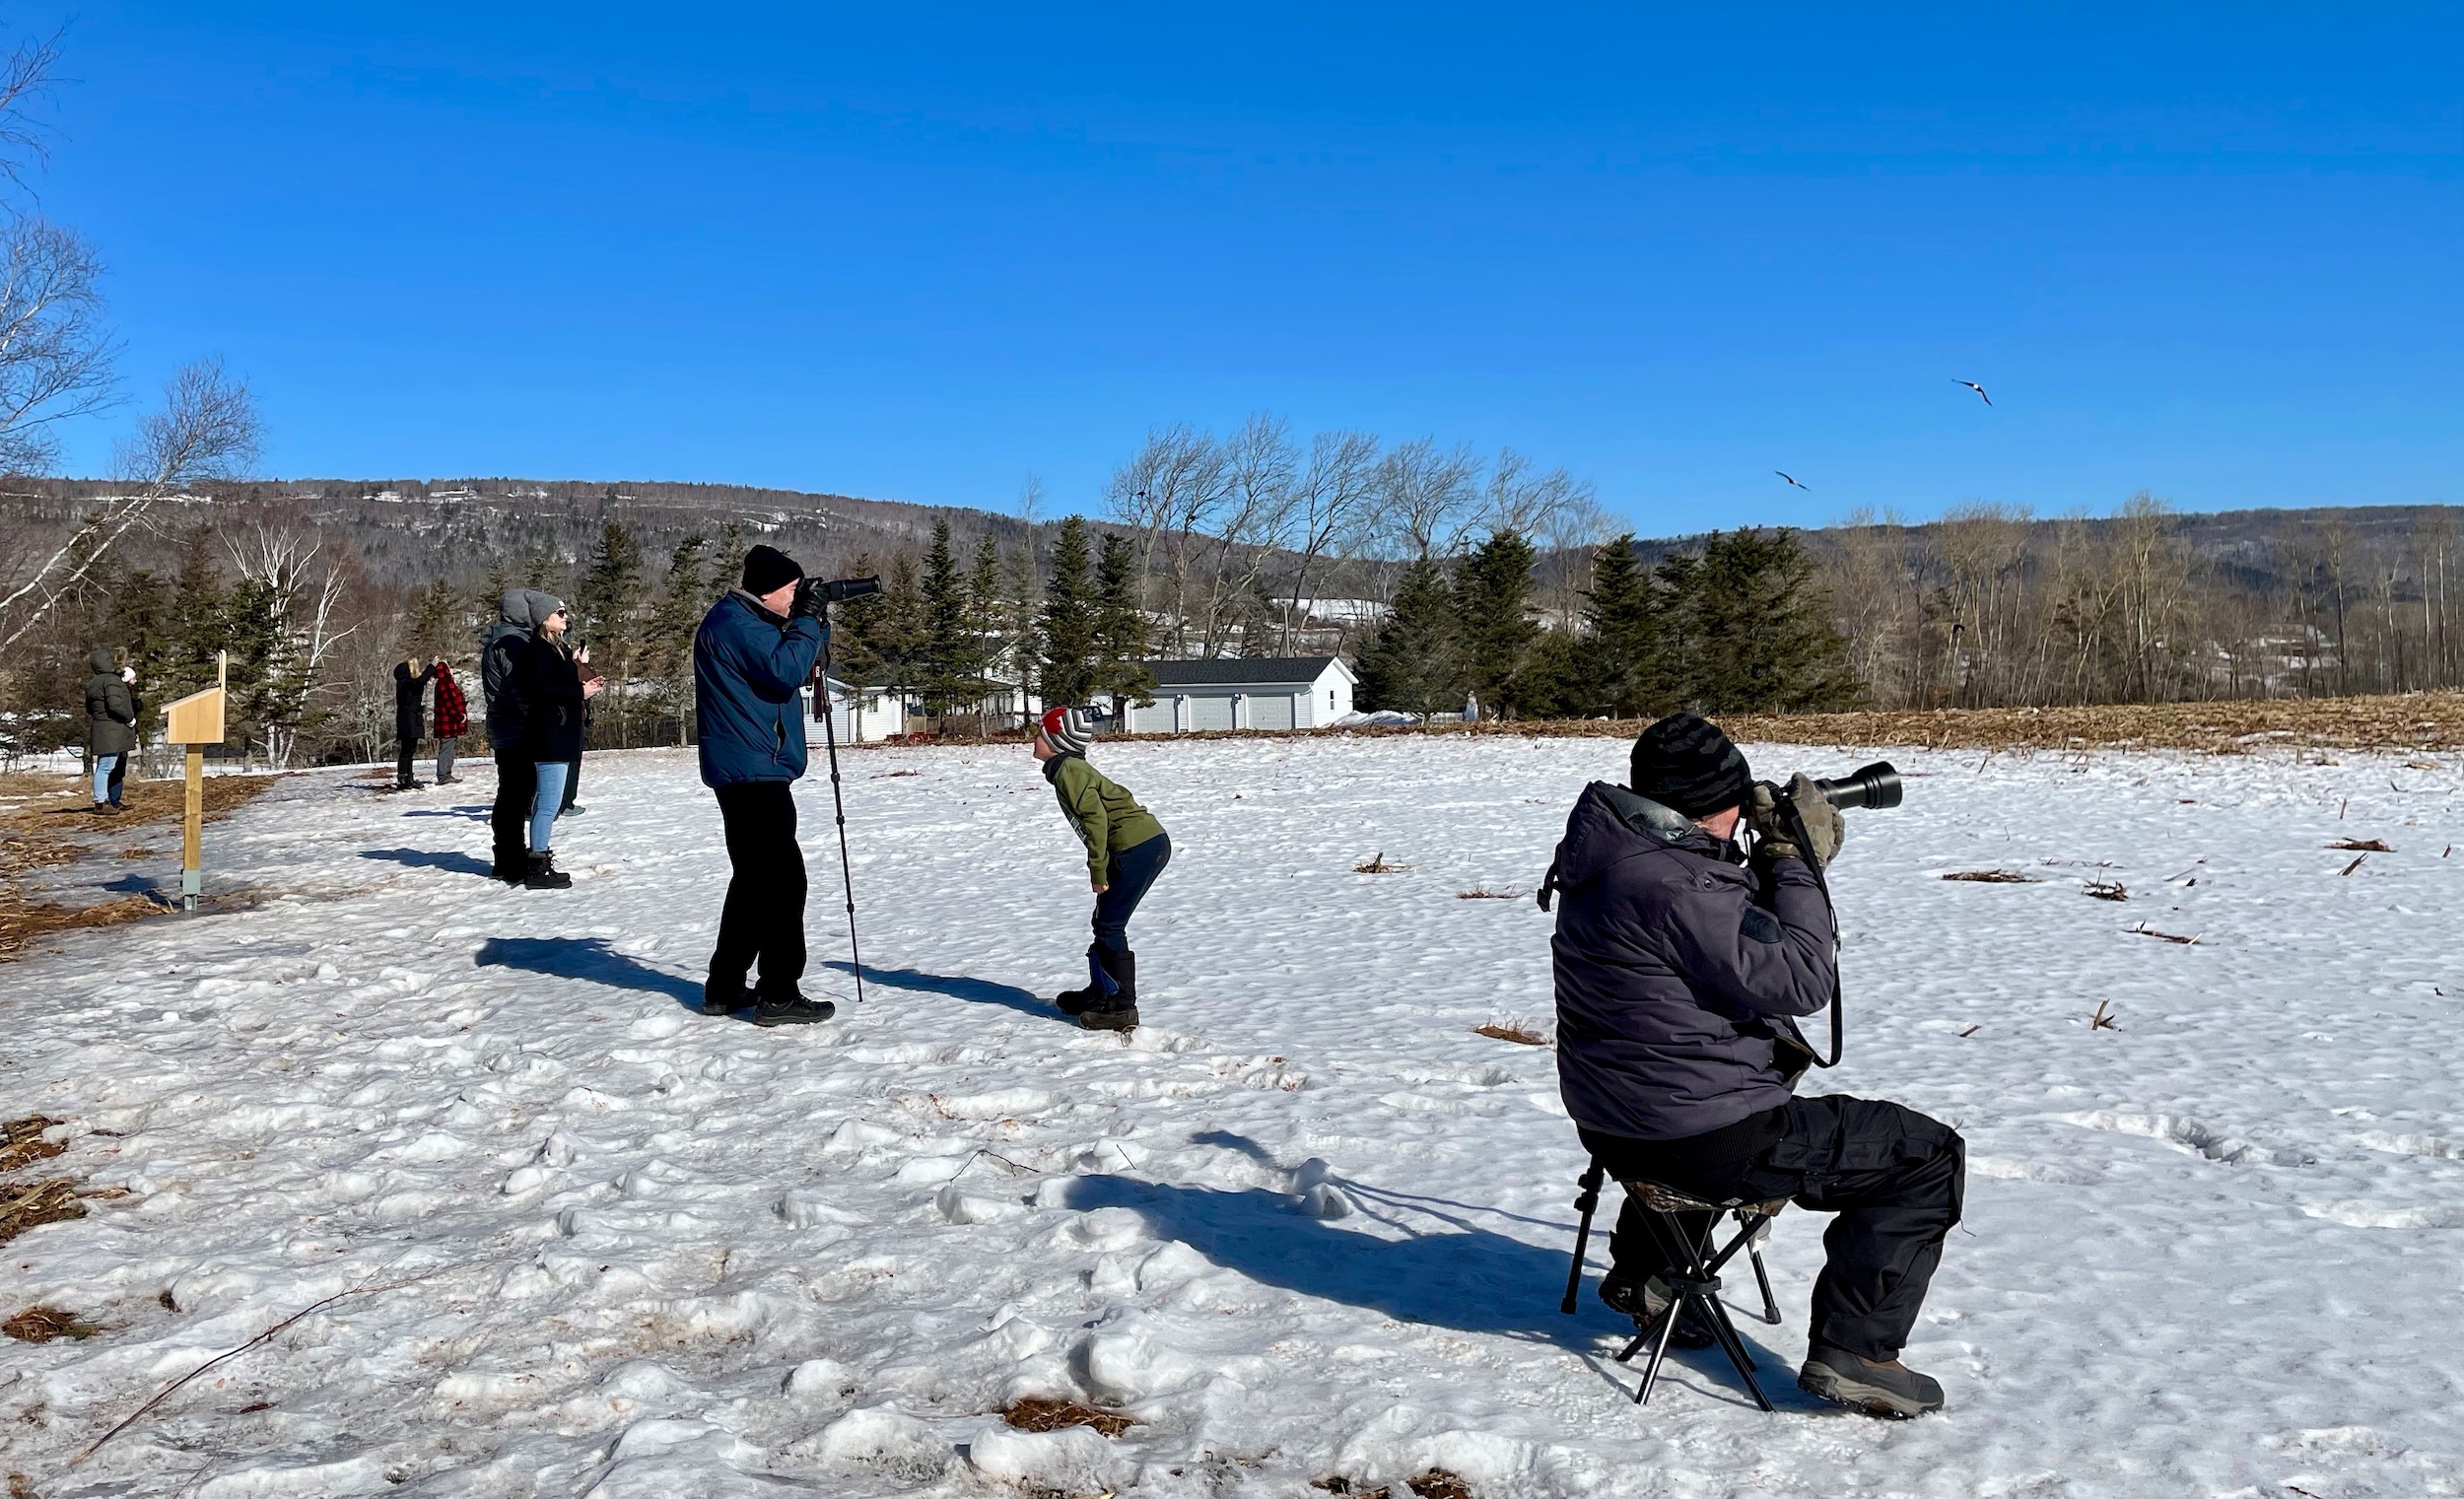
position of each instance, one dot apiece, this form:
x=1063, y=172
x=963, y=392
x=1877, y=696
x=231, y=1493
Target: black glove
x=1776, y=832
x=809, y=600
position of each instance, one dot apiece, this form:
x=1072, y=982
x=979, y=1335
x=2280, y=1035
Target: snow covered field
x=1304, y=1224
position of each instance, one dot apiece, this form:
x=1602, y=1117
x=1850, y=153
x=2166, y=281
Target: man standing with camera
x=1681, y=965
x=753, y=653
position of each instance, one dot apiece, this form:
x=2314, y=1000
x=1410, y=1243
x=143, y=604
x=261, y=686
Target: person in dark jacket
x=410, y=716
x=552, y=689
x=452, y=721
x=751, y=658
x=500, y=649
x=1683, y=965
x=1125, y=850
x=111, y=728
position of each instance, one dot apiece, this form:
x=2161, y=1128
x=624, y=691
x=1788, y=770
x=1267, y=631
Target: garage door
x=1274, y=712
x=1210, y=712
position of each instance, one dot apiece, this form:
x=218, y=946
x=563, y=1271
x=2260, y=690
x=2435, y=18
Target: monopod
x=833, y=592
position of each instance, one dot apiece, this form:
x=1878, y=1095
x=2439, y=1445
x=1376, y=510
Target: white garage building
x=1271, y=692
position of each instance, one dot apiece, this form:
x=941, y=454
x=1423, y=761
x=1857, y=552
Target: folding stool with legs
x=1692, y=1279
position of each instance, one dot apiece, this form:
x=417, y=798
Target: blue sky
x=2211, y=251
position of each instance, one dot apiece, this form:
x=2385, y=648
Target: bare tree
x=1328, y=500
x=55, y=358
x=206, y=430
x=1426, y=500
x=1253, y=520
x=1169, y=493
x=304, y=580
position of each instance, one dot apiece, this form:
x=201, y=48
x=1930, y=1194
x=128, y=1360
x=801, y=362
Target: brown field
x=46, y=820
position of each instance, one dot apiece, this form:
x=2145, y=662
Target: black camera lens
x=1874, y=785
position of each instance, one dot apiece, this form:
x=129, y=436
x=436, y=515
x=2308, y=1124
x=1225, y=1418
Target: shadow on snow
x=590, y=958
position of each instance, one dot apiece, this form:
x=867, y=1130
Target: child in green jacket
x=1126, y=849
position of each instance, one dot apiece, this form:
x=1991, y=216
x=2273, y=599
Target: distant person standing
x=553, y=691
x=500, y=649
x=110, y=728
x=1125, y=850
x=452, y=721
x=751, y=657
x=410, y=716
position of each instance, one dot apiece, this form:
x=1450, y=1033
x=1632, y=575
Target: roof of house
x=1246, y=672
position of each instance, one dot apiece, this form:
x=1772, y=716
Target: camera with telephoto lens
x=814, y=594
x=1874, y=785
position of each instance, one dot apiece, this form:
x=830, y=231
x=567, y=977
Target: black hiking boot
x=726, y=996
x=790, y=1008
x=1075, y=1002
x=1118, y=1010
x=1645, y=1300
x=1892, y=1390
x=513, y=874
x=543, y=873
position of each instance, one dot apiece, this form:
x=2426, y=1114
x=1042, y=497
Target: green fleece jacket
x=1108, y=818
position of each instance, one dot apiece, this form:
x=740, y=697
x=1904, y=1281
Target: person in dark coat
x=500, y=649
x=452, y=721
x=751, y=657
x=1683, y=965
x=111, y=728
x=552, y=687
x=410, y=716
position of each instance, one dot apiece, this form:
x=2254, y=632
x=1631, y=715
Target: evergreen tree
x=903, y=625
x=684, y=596
x=1619, y=658
x=1020, y=613
x=1121, y=635
x=198, y=626
x=946, y=680
x=1676, y=679
x=1068, y=624
x=1408, y=663
x=984, y=621
x=607, y=615
x=489, y=601
x=438, y=625
x=1492, y=591
x=1764, y=640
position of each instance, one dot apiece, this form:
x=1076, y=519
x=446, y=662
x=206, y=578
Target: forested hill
x=410, y=532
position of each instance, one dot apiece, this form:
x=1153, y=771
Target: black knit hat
x=766, y=569
x=1686, y=765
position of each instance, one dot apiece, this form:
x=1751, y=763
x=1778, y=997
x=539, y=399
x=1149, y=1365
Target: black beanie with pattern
x=1686, y=765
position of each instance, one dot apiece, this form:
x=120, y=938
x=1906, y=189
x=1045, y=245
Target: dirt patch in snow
x=1040, y=1413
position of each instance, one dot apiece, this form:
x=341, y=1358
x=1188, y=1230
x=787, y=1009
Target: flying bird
x=1792, y=481
x=1979, y=390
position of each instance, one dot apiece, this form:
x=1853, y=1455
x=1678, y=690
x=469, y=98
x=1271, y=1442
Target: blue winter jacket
x=1679, y=971
x=747, y=665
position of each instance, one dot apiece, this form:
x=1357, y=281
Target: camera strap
x=1805, y=844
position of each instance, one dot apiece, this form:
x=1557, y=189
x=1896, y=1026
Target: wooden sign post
x=196, y=720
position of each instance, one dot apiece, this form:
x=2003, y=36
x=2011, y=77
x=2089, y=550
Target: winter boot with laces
x=1645, y=1300
x=1890, y=1390
x=788, y=1006
x=1116, y=1010
x=543, y=873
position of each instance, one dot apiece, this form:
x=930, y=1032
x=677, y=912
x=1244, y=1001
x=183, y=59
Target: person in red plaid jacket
x=452, y=721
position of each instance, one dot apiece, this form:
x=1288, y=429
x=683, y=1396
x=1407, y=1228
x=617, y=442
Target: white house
x=1271, y=692
x=878, y=713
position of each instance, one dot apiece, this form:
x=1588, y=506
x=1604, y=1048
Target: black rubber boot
x=1073, y=1001
x=1645, y=1300
x=725, y=998
x=1118, y=1010
x=543, y=873
x=1892, y=1390
x=790, y=1008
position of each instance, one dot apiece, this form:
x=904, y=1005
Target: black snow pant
x=763, y=918
x=1894, y=1177
x=406, y=737
x=1132, y=873
x=573, y=784
x=508, y=820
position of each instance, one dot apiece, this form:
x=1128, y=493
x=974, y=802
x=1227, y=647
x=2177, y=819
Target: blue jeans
x=108, y=771
x=543, y=803
x=1133, y=873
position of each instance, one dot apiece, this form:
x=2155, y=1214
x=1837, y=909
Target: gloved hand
x=810, y=603
x=1824, y=828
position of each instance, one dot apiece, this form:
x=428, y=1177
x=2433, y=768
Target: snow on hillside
x=631, y=1250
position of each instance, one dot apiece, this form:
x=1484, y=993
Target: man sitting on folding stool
x=1680, y=966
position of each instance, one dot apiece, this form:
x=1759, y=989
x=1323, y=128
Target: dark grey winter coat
x=1677, y=971
x=501, y=648
x=111, y=711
